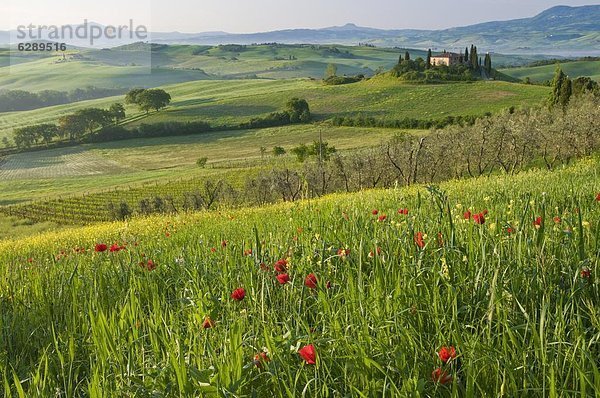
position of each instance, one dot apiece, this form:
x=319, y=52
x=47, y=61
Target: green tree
x=71, y=126
x=153, y=99
x=302, y=152
x=322, y=150
x=278, y=151
x=488, y=63
x=24, y=137
x=117, y=112
x=47, y=132
x=583, y=85
x=565, y=92
x=428, y=64
x=132, y=96
x=558, y=82
x=94, y=118
x=474, y=58
x=298, y=110
x=407, y=56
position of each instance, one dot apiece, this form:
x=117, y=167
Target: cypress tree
x=428, y=65
x=488, y=63
x=565, y=92
x=474, y=59
x=407, y=56
x=466, y=54
x=557, y=84
x=471, y=54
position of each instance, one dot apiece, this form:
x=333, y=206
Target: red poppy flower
x=213, y=250
x=479, y=218
x=238, y=294
x=447, y=353
x=486, y=212
x=248, y=252
x=310, y=281
x=223, y=243
x=403, y=211
x=377, y=251
x=557, y=220
x=100, y=247
x=441, y=376
x=598, y=197
x=329, y=285
x=208, y=323
x=115, y=248
x=510, y=230
x=264, y=267
x=467, y=215
x=281, y=266
x=308, y=354
x=167, y=234
x=260, y=359
x=419, y=240
x=149, y=265
x=586, y=273
x=375, y=212
x=538, y=222
x=30, y=260
x=283, y=278
x=382, y=218
x=343, y=252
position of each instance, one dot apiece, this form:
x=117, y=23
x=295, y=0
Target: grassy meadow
x=232, y=102
x=338, y=299
x=546, y=72
x=478, y=287
x=99, y=167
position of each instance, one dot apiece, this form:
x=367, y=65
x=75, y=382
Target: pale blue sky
x=263, y=15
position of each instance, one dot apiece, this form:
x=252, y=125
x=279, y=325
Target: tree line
x=70, y=127
x=20, y=100
x=101, y=125
x=86, y=123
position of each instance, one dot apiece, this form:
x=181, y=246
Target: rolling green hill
x=100, y=167
x=156, y=65
x=234, y=101
x=546, y=72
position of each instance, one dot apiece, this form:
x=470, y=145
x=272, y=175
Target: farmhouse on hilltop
x=448, y=59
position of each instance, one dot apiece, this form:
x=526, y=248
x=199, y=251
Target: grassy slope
x=88, y=168
x=46, y=74
x=521, y=318
x=546, y=72
x=232, y=102
x=13, y=228
x=173, y=64
x=115, y=67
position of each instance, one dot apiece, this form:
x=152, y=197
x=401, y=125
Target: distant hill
x=560, y=30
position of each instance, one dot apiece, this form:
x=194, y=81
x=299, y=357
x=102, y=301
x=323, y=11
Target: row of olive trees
x=504, y=143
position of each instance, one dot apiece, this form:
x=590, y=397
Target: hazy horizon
x=232, y=17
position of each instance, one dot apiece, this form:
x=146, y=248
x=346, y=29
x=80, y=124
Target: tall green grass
x=514, y=303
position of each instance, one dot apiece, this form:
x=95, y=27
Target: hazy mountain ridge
x=560, y=30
